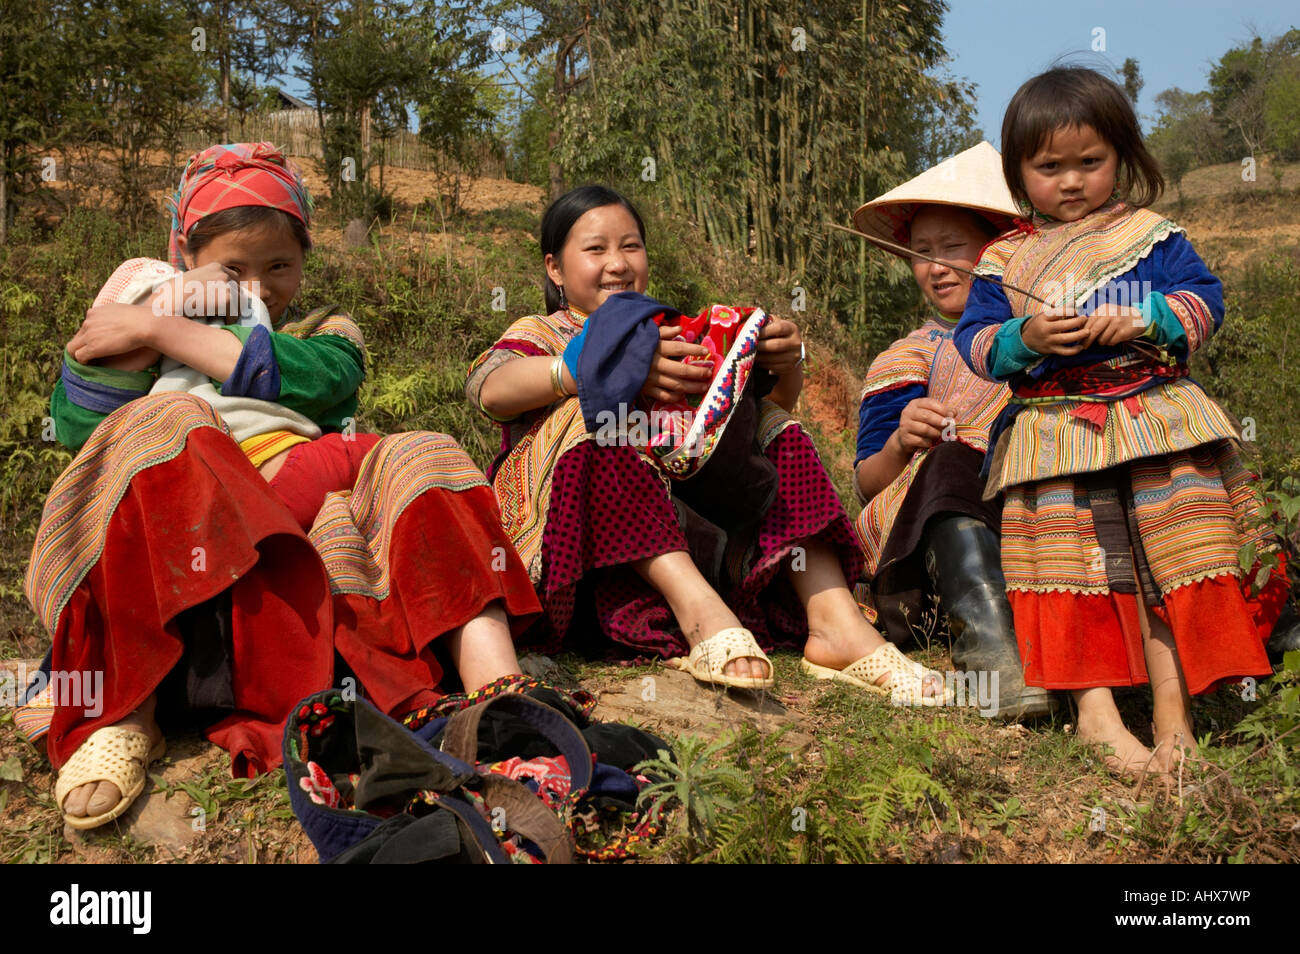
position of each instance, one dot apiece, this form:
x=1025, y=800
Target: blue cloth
x=621, y=340
x=1172, y=265
x=256, y=374
x=94, y=395
x=879, y=415
x=573, y=349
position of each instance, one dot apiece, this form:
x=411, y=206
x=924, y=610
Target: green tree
x=143, y=75
x=555, y=38
x=31, y=43
x=1282, y=106
x=762, y=120
x=1240, y=87
x=456, y=104
x=1185, y=135
x=1133, y=81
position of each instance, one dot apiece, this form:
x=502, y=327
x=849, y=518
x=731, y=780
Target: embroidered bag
x=368, y=790
x=684, y=434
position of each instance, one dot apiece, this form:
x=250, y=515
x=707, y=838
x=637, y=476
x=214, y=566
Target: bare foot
x=95, y=798
x=1174, y=743
x=700, y=612
x=711, y=620
x=1100, y=724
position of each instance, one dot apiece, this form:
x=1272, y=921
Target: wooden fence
x=297, y=132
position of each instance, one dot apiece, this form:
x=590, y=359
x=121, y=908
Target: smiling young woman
x=621, y=561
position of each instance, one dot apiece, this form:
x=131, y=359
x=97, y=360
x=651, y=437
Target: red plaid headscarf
x=233, y=175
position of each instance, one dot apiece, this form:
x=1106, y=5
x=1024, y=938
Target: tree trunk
x=365, y=140
x=4, y=193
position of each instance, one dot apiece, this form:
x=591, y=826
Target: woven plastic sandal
x=709, y=658
x=114, y=754
x=905, y=687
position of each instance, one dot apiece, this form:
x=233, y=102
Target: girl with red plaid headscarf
x=224, y=528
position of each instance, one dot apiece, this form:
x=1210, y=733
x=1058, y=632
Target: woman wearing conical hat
x=923, y=433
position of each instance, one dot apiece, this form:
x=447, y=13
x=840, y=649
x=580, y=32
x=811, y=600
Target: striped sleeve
x=1191, y=291
x=988, y=335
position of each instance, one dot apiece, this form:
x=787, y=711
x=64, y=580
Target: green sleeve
x=108, y=388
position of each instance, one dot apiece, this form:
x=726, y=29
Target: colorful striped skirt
x=161, y=512
x=1079, y=551
x=580, y=512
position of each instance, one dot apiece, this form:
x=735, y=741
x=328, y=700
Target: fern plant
x=702, y=789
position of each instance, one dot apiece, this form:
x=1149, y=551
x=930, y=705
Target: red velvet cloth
x=186, y=530
x=1073, y=641
x=450, y=559
x=207, y=521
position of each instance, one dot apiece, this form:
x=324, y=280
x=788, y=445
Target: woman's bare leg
x=838, y=633
x=699, y=610
x=1171, y=704
x=482, y=650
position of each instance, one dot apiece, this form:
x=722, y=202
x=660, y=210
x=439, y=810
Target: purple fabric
x=256, y=374
x=621, y=339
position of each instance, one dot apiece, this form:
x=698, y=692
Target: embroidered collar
x=1039, y=219
x=946, y=326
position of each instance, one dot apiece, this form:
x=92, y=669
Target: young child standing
x=1126, y=501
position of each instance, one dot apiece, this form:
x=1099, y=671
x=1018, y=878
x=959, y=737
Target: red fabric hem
x=449, y=560
x=186, y=530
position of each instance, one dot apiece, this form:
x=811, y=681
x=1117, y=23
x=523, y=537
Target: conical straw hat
x=969, y=180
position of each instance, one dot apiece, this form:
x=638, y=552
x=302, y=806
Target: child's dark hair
x=245, y=217
x=1074, y=96
x=561, y=216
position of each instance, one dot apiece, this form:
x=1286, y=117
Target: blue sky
x=999, y=44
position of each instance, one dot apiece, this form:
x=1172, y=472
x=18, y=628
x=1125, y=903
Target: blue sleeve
x=1185, y=298
x=256, y=374
x=879, y=415
x=1002, y=354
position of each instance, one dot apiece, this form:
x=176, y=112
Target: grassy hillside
x=875, y=783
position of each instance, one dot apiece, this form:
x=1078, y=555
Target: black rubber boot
x=1286, y=635
x=964, y=562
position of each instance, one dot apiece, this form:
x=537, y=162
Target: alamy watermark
x=656, y=428
x=75, y=906
x=978, y=688
x=1126, y=294
x=74, y=690
x=194, y=299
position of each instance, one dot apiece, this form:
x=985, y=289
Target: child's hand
x=1055, y=331
x=670, y=379
x=115, y=331
x=1114, y=324
x=921, y=424
x=210, y=289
